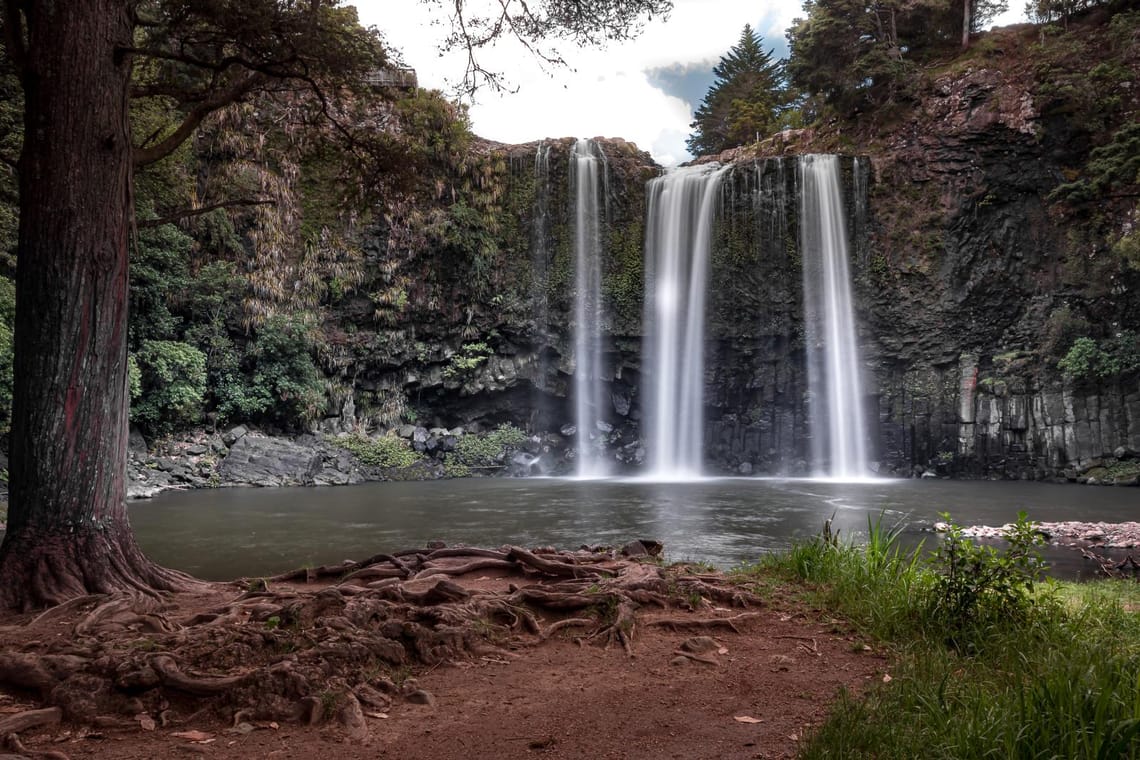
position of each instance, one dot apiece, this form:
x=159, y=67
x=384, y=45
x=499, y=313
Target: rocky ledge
x=241, y=457
x=1124, y=535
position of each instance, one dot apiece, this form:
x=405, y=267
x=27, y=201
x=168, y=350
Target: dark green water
x=227, y=533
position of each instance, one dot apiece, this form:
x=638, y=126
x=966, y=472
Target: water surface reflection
x=226, y=533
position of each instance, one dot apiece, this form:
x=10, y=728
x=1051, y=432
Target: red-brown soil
x=663, y=663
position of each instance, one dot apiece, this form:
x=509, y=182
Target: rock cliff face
x=971, y=282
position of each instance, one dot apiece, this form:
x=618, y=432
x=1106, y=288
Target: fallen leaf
x=747, y=719
x=887, y=678
x=794, y=738
x=377, y=715
x=194, y=736
x=146, y=722
x=722, y=650
x=274, y=725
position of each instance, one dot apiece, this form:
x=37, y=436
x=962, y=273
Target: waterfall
x=540, y=268
x=587, y=180
x=833, y=356
x=682, y=208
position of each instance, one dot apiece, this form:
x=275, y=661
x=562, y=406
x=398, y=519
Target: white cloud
x=605, y=92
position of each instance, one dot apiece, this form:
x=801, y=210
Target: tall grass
x=1059, y=677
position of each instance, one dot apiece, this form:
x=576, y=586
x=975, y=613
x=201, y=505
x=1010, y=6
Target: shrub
x=483, y=451
x=278, y=381
x=1089, y=360
x=171, y=386
x=469, y=357
x=384, y=451
x=979, y=585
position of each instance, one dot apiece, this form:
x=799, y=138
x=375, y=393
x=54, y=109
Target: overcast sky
x=644, y=90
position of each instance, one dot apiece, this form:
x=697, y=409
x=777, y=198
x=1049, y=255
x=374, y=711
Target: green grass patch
x=990, y=662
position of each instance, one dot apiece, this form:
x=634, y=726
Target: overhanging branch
x=143, y=224
x=166, y=146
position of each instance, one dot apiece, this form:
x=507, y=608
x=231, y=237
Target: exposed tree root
x=103, y=559
x=275, y=652
x=12, y=742
x=29, y=719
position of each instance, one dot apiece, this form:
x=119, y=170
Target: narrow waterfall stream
x=837, y=419
x=683, y=206
x=588, y=190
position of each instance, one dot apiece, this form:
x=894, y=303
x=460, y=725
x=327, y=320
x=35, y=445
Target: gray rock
x=259, y=461
x=745, y=468
x=234, y=434
x=406, y=431
x=569, y=431
x=136, y=443
x=196, y=450
x=621, y=403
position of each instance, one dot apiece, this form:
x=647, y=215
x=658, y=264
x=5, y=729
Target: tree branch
x=163, y=148
x=143, y=224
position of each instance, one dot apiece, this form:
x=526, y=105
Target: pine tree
x=743, y=102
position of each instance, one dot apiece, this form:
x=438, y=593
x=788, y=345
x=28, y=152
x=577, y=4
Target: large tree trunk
x=68, y=533
x=966, y=5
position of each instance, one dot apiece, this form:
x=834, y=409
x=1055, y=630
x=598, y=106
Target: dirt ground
x=699, y=680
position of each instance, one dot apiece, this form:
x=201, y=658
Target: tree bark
x=966, y=5
x=68, y=532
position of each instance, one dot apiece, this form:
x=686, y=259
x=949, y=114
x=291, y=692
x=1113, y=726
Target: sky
x=644, y=90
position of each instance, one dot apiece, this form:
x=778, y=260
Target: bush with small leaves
x=384, y=451
x=171, y=386
x=977, y=586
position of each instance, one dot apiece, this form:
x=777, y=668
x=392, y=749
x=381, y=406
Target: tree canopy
x=744, y=101
x=852, y=55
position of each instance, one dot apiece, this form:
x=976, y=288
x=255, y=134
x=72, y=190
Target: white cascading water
x=683, y=206
x=587, y=177
x=836, y=410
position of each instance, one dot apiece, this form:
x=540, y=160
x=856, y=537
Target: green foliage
x=438, y=131
x=172, y=386
x=979, y=586
x=1087, y=360
x=468, y=358
x=278, y=381
x=841, y=53
x=1062, y=328
x=160, y=275
x=1110, y=167
x=383, y=451
x=486, y=450
x=744, y=101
